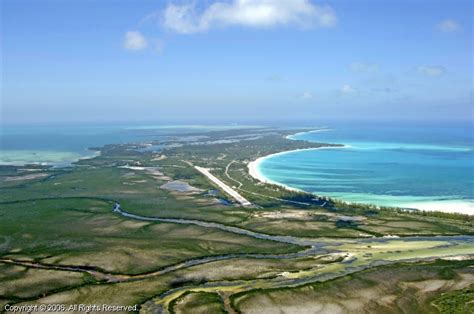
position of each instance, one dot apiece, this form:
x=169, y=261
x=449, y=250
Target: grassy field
x=54, y=220
x=197, y=302
x=390, y=289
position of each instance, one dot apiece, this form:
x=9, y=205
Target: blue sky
x=236, y=60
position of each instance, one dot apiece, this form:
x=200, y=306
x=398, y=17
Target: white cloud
x=347, y=89
x=186, y=19
x=431, y=70
x=364, y=67
x=134, y=41
x=449, y=26
x=306, y=95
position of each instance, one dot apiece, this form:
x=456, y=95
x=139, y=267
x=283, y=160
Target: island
x=186, y=228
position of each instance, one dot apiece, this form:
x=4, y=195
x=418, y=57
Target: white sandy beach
x=293, y=136
x=255, y=172
x=445, y=206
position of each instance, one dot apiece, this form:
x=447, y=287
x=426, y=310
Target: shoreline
x=291, y=136
x=256, y=174
x=455, y=205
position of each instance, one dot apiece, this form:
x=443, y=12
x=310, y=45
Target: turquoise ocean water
x=430, y=168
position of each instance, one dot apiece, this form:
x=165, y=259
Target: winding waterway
x=439, y=246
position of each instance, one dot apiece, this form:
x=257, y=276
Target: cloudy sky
x=118, y=60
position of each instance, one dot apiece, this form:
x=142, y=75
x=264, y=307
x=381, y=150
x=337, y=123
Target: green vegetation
x=59, y=235
x=197, y=302
x=76, y=231
x=408, y=288
x=456, y=302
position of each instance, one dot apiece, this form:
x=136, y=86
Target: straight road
x=239, y=198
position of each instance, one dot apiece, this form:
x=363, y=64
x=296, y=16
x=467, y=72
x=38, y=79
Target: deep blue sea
x=429, y=168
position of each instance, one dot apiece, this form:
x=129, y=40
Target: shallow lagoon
x=62, y=145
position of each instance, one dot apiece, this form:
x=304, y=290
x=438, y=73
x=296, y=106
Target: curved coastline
x=255, y=172
x=447, y=206
x=96, y=153
x=323, y=129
